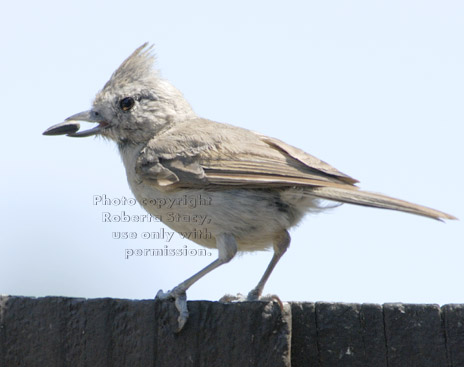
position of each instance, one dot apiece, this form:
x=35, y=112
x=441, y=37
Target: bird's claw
x=180, y=300
x=228, y=298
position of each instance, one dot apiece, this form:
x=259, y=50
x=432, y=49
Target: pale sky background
x=375, y=88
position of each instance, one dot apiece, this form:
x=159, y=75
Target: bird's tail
x=365, y=198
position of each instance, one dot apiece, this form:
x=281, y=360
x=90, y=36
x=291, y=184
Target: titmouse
x=258, y=187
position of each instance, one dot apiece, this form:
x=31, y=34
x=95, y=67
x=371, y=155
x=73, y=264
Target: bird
x=258, y=186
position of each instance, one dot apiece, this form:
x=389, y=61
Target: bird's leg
x=281, y=244
x=227, y=247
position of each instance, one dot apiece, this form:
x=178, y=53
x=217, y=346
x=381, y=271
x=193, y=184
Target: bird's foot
x=180, y=298
x=228, y=298
x=252, y=296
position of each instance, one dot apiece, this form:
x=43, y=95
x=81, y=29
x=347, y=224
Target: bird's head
x=132, y=106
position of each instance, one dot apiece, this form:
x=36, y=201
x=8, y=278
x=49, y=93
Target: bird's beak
x=70, y=126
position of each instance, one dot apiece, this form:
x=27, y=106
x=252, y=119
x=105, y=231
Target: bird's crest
x=138, y=67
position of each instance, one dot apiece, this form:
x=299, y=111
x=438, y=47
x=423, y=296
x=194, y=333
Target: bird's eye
x=126, y=103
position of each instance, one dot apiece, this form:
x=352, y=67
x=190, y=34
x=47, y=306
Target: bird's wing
x=200, y=152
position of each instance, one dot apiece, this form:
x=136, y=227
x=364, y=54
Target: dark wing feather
x=209, y=153
x=202, y=153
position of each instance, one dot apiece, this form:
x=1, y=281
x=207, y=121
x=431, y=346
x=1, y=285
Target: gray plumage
x=259, y=186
